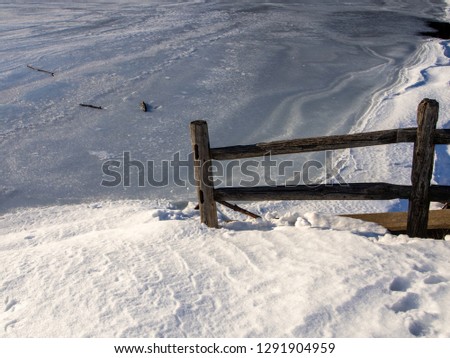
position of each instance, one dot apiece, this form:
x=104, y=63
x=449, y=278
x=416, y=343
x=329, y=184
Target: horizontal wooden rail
x=303, y=145
x=419, y=194
x=354, y=191
x=396, y=222
x=442, y=136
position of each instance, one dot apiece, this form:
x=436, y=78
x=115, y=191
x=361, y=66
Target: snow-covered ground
x=133, y=270
x=82, y=260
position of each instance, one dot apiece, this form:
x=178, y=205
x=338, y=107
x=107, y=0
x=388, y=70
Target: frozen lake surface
x=255, y=71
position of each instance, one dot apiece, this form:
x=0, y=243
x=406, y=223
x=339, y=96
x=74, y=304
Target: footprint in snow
x=410, y=302
x=434, y=280
x=418, y=329
x=10, y=304
x=423, y=268
x=400, y=284
x=10, y=325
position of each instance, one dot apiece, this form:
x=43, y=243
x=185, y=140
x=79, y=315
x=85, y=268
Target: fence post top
x=428, y=112
x=199, y=122
x=429, y=101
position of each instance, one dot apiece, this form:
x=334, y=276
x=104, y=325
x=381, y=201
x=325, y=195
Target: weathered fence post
x=202, y=173
x=422, y=168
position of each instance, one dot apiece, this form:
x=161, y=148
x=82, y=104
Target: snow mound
x=149, y=269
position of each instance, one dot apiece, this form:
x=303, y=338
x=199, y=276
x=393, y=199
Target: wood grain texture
x=202, y=173
x=354, y=191
x=437, y=219
x=422, y=168
x=304, y=145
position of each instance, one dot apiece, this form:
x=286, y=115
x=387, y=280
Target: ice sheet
x=255, y=71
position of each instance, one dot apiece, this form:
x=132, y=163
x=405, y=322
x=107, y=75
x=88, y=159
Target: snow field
x=127, y=270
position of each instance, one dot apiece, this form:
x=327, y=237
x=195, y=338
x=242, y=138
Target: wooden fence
x=419, y=194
